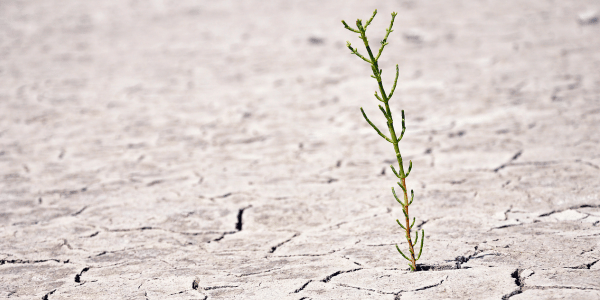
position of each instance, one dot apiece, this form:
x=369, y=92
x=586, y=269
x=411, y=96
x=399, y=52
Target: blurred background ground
x=215, y=150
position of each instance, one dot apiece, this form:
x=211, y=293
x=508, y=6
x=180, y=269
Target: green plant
x=385, y=98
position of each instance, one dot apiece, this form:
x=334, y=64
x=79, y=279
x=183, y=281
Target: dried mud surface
x=215, y=150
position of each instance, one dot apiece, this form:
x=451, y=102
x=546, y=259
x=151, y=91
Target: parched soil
x=216, y=150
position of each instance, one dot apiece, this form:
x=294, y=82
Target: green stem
x=390, y=123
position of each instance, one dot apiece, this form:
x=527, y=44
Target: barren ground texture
x=215, y=150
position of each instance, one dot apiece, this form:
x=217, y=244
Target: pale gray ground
x=148, y=145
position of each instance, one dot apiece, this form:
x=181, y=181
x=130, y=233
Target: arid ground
x=215, y=150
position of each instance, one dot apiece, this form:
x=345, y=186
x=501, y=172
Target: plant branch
x=395, y=82
x=374, y=127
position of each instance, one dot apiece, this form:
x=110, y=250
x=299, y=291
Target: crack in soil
x=423, y=267
x=399, y=294
x=78, y=276
x=518, y=281
x=64, y=193
x=133, y=229
x=560, y=287
x=20, y=261
x=262, y=272
x=420, y=225
x=542, y=163
x=221, y=196
x=280, y=244
x=366, y=289
x=222, y=233
x=115, y=251
x=178, y=293
x=354, y=220
x=328, y=278
x=585, y=266
x=504, y=165
x=219, y=287
x=48, y=294
x=535, y=163
x=506, y=213
x=459, y=261
x=238, y=225
x=549, y=214
x=298, y=290
x=379, y=245
x=586, y=251
x=79, y=211
x=431, y=286
x=294, y=255
x=507, y=226
x=570, y=208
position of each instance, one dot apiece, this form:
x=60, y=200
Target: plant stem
x=413, y=261
x=390, y=123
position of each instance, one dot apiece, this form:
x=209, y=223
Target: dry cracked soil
x=215, y=150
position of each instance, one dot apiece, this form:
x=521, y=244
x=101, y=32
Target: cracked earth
x=215, y=150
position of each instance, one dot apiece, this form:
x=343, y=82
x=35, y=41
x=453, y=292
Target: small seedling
x=393, y=139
